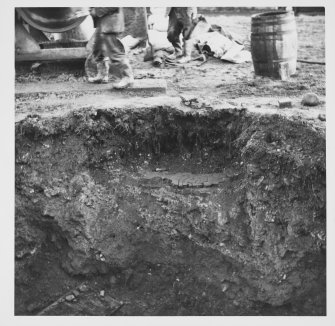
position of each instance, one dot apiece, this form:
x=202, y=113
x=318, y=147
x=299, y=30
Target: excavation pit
x=170, y=208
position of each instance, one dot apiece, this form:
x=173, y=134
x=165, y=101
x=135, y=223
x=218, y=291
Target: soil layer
x=208, y=201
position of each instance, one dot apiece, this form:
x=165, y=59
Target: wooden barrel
x=274, y=44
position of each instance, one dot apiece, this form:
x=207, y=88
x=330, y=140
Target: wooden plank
x=53, y=55
x=140, y=85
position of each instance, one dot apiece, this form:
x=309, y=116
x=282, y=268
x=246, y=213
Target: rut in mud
x=174, y=212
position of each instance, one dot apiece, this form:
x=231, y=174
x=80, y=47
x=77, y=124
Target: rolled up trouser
x=180, y=21
x=108, y=45
x=188, y=47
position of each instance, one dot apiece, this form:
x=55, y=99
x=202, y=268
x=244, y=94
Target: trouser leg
x=97, y=47
x=188, y=27
x=101, y=60
x=174, y=31
x=187, y=30
x=115, y=51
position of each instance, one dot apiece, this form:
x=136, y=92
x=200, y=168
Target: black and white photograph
x=169, y=161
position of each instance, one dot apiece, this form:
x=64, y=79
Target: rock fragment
x=285, y=103
x=322, y=117
x=70, y=297
x=310, y=99
x=225, y=287
x=76, y=293
x=83, y=288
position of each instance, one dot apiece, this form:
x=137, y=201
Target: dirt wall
x=230, y=203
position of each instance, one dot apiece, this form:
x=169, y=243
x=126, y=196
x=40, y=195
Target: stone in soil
x=322, y=117
x=70, y=297
x=285, y=103
x=83, y=288
x=310, y=99
x=75, y=293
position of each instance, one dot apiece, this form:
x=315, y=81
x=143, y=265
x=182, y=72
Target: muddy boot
x=102, y=76
x=187, y=56
x=124, y=82
x=178, y=53
x=127, y=79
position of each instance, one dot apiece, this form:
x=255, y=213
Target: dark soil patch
x=127, y=193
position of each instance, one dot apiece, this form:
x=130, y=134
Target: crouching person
x=107, y=48
x=181, y=22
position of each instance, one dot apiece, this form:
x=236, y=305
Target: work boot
x=102, y=76
x=124, y=82
x=187, y=56
x=127, y=79
x=178, y=53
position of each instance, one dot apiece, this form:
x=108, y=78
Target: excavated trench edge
x=231, y=201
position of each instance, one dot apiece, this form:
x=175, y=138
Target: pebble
x=35, y=65
x=310, y=99
x=70, y=297
x=322, y=117
x=102, y=293
x=75, y=293
x=83, y=288
x=225, y=287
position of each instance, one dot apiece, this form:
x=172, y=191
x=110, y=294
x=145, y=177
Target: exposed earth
x=207, y=200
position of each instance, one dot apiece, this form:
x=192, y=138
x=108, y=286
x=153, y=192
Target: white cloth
x=222, y=47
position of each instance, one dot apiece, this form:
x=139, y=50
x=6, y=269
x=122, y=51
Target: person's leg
x=173, y=33
x=101, y=61
x=188, y=27
x=116, y=53
x=187, y=45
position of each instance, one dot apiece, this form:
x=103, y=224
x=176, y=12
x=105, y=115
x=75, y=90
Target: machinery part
x=312, y=62
x=52, y=19
x=24, y=42
x=70, y=33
